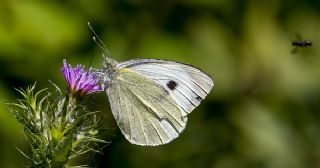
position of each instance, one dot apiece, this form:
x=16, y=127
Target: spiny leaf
x=26, y=156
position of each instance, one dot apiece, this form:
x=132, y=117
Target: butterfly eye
x=172, y=84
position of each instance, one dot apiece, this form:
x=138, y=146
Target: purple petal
x=80, y=80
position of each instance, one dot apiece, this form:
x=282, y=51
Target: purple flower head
x=80, y=82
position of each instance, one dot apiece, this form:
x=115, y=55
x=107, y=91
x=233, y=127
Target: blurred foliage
x=263, y=111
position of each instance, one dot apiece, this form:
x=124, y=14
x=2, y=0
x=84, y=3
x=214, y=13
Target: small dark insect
x=302, y=43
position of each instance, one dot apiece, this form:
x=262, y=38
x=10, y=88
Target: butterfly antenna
x=100, y=45
x=91, y=59
x=98, y=41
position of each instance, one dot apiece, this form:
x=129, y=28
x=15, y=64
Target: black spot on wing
x=172, y=84
x=199, y=98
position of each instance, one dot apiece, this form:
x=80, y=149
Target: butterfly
x=150, y=98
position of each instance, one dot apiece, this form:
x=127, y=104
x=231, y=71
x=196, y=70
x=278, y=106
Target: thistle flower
x=80, y=82
x=58, y=127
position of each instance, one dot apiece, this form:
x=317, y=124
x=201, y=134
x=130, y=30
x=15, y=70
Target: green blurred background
x=262, y=113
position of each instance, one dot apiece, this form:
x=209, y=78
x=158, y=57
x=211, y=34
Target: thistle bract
x=56, y=127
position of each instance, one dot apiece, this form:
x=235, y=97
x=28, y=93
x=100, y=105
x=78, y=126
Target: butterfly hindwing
x=187, y=85
x=144, y=110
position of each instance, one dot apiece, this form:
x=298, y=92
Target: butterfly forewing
x=144, y=110
x=186, y=84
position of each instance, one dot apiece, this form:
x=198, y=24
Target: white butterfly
x=150, y=99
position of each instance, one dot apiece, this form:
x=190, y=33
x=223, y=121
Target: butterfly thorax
x=108, y=72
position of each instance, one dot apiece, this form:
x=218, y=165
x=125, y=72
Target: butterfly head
x=108, y=71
